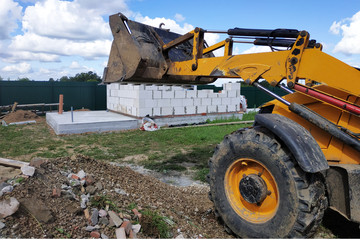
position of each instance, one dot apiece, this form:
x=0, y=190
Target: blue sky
x=40, y=39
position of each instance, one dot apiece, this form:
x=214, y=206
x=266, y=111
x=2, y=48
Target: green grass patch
x=154, y=225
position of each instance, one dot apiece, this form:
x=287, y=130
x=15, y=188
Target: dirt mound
x=184, y=211
x=20, y=116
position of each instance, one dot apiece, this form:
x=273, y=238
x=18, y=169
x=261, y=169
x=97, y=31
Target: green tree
x=25, y=79
x=86, y=77
x=51, y=80
x=64, y=79
x=1, y=79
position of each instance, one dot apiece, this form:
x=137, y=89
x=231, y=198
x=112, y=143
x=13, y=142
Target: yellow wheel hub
x=251, y=190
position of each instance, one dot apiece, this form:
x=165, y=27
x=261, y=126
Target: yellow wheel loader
x=301, y=156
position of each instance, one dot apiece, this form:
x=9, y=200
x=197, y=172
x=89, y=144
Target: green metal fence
x=254, y=96
x=91, y=95
x=78, y=95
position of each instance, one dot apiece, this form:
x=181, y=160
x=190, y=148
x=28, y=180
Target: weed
x=132, y=206
x=19, y=180
x=101, y=201
x=62, y=231
x=154, y=225
x=201, y=174
x=249, y=116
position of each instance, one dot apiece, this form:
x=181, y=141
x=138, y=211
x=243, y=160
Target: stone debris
x=8, y=207
x=136, y=213
x=95, y=234
x=104, y=221
x=91, y=190
x=84, y=200
x=127, y=226
x=99, y=186
x=120, y=191
x=102, y=213
x=56, y=192
x=92, y=228
x=28, y=170
x=115, y=218
x=103, y=236
x=2, y=225
x=136, y=228
x=120, y=233
x=94, y=216
x=81, y=174
x=37, y=162
x=38, y=209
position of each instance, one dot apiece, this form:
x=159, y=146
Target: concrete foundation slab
x=178, y=120
x=89, y=121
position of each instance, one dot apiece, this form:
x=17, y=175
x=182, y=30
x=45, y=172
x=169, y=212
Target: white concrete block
x=197, y=101
x=145, y=111
x=212, y=109
x=235, y=101
x=166, y=111
x=179, y=110
x=176, y=102
x=191, y=94
x=157, y=94
x=164, y=88
x=205, y=101
x=203, y=93
x=190, y=110
x=188, y=102
x=168, y=94
x=114, y=93
x=177, y=88
x=163, y=102
x=231, y=93
x=231, y=86
x=222, y=94
x=129, y=110
x=139, y=87
x=115, y=86
x=212, y=95
x=222, y=108
x=201, y=109
x=216, y=101
x=143, y=94
x=134, y=111
x=225, y=101
x=150, y=103
x=238, y=93
x=156, y=111
x=231, y=108
x=179, y=94
x=151, y=87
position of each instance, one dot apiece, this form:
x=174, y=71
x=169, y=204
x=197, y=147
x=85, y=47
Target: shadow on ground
x=340, y=226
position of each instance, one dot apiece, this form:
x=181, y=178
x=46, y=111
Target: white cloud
x=75, y=65
x=10, y=12
x=350, y=31
x=254, y=49
x=20, y=68
x=179, y=18
x=62, y=19
x=169, y=24
x=105, y=7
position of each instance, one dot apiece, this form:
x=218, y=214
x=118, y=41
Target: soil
x=188, y=211
x=20, y=116
x=188, y=208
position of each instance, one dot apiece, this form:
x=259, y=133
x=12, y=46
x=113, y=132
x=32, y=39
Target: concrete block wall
x=165, y=100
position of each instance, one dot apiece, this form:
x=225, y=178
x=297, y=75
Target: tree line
x=79, y=77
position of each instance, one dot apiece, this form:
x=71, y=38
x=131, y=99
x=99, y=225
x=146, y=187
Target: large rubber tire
x=295, y=200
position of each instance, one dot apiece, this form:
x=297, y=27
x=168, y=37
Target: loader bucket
x=136, y=54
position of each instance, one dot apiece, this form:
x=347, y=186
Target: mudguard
x=298, y=140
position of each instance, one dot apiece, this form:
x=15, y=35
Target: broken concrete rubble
x=8, y=207
x=27, y=170
x=38, y=209
x=115, y=218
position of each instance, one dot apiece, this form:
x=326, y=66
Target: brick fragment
x=127, y=226
x=56, y=192
x=95, y=234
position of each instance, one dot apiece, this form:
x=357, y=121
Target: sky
x=42, y=39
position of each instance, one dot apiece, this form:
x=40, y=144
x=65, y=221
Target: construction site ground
x=185, y=210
